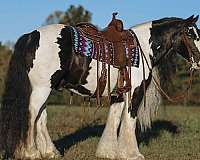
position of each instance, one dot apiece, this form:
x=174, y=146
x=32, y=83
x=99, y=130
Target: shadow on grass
x=96, y=131
x=84, y=133
x=157, y=129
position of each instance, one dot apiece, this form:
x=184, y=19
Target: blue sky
x=21, y=16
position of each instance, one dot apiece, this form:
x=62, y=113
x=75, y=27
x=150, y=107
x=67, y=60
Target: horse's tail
x=14, y=112
x=147, y=112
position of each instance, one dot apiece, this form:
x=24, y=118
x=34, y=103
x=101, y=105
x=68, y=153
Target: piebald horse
x=44, y=57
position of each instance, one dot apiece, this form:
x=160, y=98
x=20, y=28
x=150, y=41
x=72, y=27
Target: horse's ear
x=191, y=20
x=196, y=19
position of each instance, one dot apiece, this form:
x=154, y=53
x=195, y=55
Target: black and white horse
x=44, y=58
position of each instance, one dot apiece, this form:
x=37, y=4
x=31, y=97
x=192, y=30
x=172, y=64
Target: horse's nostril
x=198, y=39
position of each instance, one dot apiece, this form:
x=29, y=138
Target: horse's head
x=175, y=35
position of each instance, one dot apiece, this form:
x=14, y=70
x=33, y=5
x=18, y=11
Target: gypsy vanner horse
x=44, y=57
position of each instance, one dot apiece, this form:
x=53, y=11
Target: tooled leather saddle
x=113, y=47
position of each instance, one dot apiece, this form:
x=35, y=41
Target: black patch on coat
x=138, y=95
x=74, y=68
x=65, y=45
x=116, y=99
x=163, y=34
x=30, y=47
x=65, y=54
x=14, y=112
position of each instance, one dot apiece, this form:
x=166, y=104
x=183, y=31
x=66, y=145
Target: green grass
x=175, y=134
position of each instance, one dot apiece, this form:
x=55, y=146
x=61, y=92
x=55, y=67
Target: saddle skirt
x=96, y=46
x=113, y=46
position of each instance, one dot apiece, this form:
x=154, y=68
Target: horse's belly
x=92, y=77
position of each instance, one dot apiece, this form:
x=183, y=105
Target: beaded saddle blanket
x=88, y=47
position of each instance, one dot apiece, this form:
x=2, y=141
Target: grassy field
x=175, y=134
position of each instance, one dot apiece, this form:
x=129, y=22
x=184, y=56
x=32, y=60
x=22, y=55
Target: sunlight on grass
x=175, y=133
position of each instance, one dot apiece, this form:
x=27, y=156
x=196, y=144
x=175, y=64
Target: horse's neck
x=143, y=34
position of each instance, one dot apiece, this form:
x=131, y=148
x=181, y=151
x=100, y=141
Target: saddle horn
x=116, y=23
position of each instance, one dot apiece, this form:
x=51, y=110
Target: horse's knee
x=37, y=99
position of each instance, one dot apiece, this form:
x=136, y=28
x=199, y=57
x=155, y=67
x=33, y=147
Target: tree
x=5, y=54
x=71, y=16
x=54, y=17
x=75, y=15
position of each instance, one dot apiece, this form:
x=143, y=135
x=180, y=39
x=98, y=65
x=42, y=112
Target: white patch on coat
x=47, y=59
x=92, y=77
x=143, y=34
x=45, y=64
x=197, y=43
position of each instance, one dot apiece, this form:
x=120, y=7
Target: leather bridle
x=194, y=64
x=190, y=79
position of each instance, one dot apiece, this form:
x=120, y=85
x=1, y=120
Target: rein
x=174, y=99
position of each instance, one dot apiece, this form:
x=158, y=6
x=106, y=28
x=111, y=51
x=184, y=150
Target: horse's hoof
x=52, y=155
x=32, y=154
x=138, y=157
x=109, y=155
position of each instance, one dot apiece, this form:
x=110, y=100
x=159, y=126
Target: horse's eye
x=158, y=47
x=189, y=32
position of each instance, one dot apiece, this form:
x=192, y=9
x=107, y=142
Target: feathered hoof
x=28, y=154
x=104, y=154
x=52, y=155
x=138, y=157
x=107, y=148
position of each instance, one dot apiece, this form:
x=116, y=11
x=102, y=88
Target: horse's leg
x=128, y=147
x=43, y=140
x=108, y=147
x=37, y=99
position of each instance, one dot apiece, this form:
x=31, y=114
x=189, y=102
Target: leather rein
x=174, y=99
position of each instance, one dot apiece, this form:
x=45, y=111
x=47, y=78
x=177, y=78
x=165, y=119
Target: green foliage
x=74, y=15
x=71, y=16
x=54, y=17
x=5, y=54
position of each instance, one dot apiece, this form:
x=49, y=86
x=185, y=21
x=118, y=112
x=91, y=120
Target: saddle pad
x=85, y=46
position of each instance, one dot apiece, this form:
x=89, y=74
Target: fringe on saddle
x=111, y=46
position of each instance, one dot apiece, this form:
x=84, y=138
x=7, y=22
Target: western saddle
x=122, y=42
